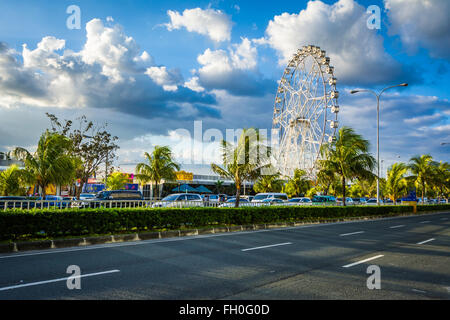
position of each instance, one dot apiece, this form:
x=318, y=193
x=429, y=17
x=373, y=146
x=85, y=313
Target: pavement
x=320, y=261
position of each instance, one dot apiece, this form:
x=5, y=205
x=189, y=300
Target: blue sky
x=145, y=99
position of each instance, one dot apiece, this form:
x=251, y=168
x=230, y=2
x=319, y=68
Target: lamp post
x=378, y=128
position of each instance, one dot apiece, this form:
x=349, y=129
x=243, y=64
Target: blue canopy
x=203, y=189
x=184, y=188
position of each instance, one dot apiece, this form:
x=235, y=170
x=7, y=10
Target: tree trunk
x=343, y=191
x=156, y=191
x=423, y=193
x=238, y=195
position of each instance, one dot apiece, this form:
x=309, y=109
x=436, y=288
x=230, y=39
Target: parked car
x=272, y=201
x=232, y=201
x=114, y=199
x=260, y=197
x=324, y=199
x=300, y=201
x=180, y=200
x=87, y=196
x=348, y=200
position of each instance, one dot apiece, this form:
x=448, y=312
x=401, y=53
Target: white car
x=180, y=200
x=300, y=201
x=231, y=203
x=260, y=197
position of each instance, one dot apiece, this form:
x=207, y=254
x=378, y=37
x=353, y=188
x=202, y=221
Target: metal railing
x=83, y=204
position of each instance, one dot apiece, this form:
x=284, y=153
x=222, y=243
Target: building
x=6, y=161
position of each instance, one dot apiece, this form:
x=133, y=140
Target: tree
x=91, y=144
x=422, y=171
x=52, y=162
x=116, y=181
x=245, y=160
x=160, y=166
x=268, y=183
x=13, y=181
x=396, y=184
x=348, y=157
x=219, y=186
x=298, y=185
x=441, y=178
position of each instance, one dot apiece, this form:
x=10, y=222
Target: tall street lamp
x=378, y=128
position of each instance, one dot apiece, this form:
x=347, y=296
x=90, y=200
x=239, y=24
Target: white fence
x=82, y=204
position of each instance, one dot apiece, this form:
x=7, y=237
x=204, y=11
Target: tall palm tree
x=348, y=157
x=298, y=184
x=268, y=183
x=243, y=161
x=422, y=171
x=160, y=166
x=441, y=178
x=13, y=180
x=396, y=183
x=51, y=163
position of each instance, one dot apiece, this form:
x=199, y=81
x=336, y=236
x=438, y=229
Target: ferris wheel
x=306, y=111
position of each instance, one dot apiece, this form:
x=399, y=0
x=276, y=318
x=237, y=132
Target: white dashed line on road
x=57, y=280
x=425, y=221
x=362, y=261
x=426, y=241
x=350, y=234
x=395, y=227
x=269, y=246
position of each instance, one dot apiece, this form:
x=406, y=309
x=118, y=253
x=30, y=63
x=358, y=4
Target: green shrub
x=433, y=207
x=22, y=224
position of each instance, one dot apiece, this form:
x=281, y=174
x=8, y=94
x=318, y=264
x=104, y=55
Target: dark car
x=324, y=199
x=115, y=199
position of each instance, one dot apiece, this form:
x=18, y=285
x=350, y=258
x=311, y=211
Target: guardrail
x=82, y=204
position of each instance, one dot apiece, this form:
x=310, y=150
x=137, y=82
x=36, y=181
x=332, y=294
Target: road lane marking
x=426, y=241
x=395, y=227
x=156, y=241
x=425, y=221
x=362, y=261
x=57, y=280
x=444, y=219
x=269, y=246
x=419, y=291
x=350, y=234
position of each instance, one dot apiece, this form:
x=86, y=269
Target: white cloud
x=421, y=23
x=194, y=85
x=213, y=23
x=169, y=80
x=110, y=72
x=340, y=29
x=234, y=70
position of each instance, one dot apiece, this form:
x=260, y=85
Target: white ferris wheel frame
x=306, y=111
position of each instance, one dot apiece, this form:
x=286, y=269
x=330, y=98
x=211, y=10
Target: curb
x=14, y=247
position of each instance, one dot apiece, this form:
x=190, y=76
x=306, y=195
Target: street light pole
x=378, y=128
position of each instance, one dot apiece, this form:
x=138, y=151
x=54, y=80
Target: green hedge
x=433, y=207
x=21, y=224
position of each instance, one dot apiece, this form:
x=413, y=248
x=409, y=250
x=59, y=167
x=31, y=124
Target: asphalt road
x=327, y=261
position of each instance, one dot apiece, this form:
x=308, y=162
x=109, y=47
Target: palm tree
x=116, y=181
x=348, y=157
x=12, y=181
x=441, y=178
x=51, y=163
x=422, y=171
x=299, y=184
x=396, y=183
x=243, y=161
x=219, y=186
x=160, y=166
x=268, y=183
